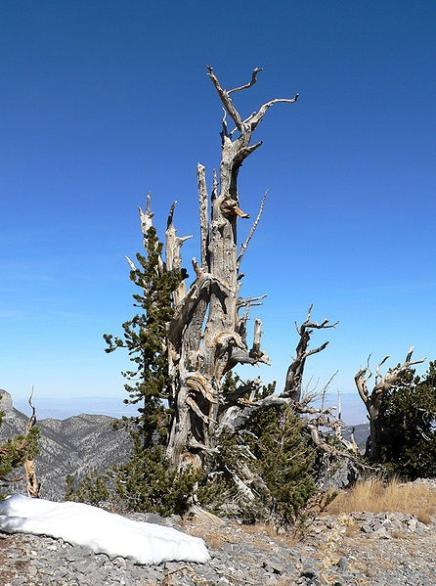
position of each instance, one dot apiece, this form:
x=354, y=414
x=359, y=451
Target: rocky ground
x=349, y=549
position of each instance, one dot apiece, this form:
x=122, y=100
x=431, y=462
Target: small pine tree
x=285, y=457
x=144, y=338
x=145, y=482
x=275, y=449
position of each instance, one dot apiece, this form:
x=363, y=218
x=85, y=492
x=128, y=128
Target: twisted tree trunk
x=207, y=336
x=294, y=376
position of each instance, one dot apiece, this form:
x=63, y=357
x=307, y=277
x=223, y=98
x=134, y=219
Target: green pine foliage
x=408, y=423
x=144, y=338
x=147, y=484
x=92, y=489
x=285, y=458
x=277, y=448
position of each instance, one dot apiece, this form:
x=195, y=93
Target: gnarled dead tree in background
x=32, y=483
x=400, y=374
x=207, y=336
x=294, y=376
x=21, y=451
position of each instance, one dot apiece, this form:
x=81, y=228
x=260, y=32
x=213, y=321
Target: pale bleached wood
x=252, y=229
x=204, y=221
x=173, y=257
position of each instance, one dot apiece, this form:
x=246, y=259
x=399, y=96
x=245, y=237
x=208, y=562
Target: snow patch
x=103, y=532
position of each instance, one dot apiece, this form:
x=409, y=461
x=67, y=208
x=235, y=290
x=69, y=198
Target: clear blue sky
x=102, y=101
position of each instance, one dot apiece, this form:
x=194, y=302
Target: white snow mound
x=103, y=532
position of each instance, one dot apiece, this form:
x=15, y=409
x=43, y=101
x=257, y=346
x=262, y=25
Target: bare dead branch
x=146, y=217
x=239, y=356
x=226, y=100
x=316, y=350
x=325, y=388
x=255, y=349
x=250, y=301
x=254, y=120
x=214, y=193
x=131, y=264
x=248, y=85
x=173, y=257
x=250, y=235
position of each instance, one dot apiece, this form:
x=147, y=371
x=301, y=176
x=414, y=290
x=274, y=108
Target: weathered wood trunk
x=207, y=336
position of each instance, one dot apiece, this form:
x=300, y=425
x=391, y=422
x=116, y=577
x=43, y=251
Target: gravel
x=350, y=550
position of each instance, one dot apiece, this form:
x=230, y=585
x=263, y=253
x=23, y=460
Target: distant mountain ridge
x=64, y=407
x=68, y=446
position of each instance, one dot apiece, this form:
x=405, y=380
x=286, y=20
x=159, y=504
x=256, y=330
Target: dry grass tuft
x=258, y=528
x=373, y=496
x=269, y=530
x=214, y=537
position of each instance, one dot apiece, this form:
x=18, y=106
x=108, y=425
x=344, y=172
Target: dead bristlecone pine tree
x=207, y=336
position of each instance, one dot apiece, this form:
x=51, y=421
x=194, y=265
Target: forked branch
x=248, y=125
x=226, y=100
